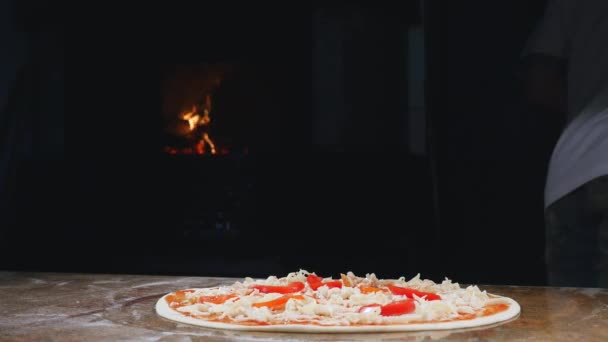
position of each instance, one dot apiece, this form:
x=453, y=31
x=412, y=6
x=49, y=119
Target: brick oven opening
x=220, y=108
x=188, y=109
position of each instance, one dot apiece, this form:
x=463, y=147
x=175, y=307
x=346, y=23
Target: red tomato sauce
x=176, y=299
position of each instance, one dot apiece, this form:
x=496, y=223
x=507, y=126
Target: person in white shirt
x=567, y=73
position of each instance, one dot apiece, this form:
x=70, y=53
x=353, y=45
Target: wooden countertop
x=100, y=307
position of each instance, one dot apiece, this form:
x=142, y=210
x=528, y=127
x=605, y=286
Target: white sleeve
x=551, y=34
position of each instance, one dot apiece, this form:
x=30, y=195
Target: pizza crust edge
x=163, y=310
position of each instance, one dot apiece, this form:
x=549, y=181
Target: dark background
x=330, y=182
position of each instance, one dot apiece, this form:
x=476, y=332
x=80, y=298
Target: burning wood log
x=188, y=97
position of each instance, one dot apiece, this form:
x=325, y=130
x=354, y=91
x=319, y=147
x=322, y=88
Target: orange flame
x=192, y=118
x=196, y=121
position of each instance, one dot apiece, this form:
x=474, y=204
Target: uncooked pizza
x=306, y=302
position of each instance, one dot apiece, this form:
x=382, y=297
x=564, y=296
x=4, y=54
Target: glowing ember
x=199, y=125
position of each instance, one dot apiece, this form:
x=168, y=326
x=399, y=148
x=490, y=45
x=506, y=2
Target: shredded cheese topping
x=333, y=306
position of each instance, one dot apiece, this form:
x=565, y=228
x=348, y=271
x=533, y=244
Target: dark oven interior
x=211, y=146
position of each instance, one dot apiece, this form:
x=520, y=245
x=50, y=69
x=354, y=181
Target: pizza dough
x=509, y=309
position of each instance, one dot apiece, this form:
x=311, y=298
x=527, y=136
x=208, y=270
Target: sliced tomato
x=401, y=307
x=311, y=278
x=315, y=282
x=315, y=286
x=277, y=303
x=178, y=296
x=398, y=308
x=219, y=299
x=290, y=288
x=333, y=284
x=409, y=293
x=369, y=289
